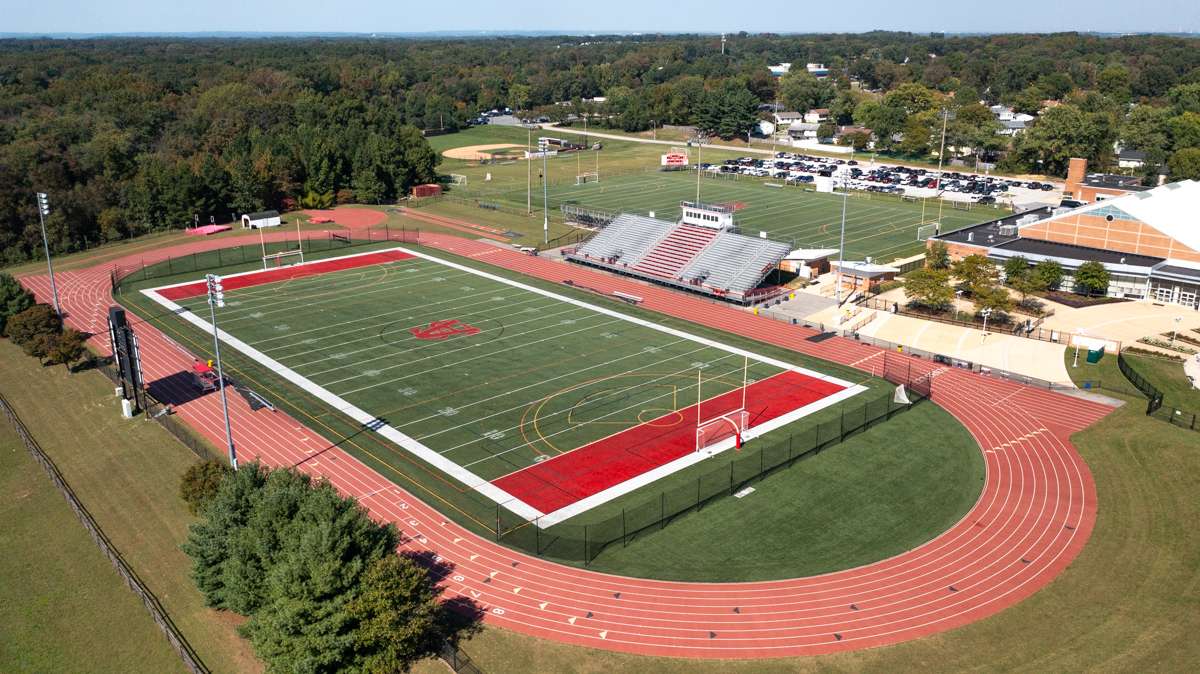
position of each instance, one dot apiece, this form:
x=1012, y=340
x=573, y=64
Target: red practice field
x=257, y=278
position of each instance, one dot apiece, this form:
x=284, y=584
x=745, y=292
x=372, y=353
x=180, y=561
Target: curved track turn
x=1035, y=513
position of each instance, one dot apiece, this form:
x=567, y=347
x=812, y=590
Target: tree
x=209, y=540
x=1145, y=129
x=200, y=483
x=14, y=299
x=1061, y=133
x=1185, y=164
x=937, y=255
x=397, y=615
x=859, y=140
x=65, y=348
x=1048, y=274
x=1185, y=97
x=800, y=91
x=1015, y=268
x=975, y=273
x=992, y=297
x=929, y=288
x=32, y=328
x=917, y=133
x=1091, y=278
x=1113, y=82
x=1184, y=130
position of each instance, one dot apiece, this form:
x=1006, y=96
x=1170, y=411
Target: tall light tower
x=542, y=147
x=43, y=211
x=699, y=145
x=216, y=299
x=842, y=249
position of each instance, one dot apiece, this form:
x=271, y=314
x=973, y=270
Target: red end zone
x=567, y=478
x=285, y=273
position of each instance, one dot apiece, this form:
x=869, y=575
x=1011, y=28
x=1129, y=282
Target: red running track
x=576, y=475
x=257, y=278
x=1035, y=513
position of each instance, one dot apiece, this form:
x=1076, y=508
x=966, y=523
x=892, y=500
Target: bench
x=632, y=299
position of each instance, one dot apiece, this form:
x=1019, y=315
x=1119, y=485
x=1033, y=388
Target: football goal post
x=711, y=427
x=282, y=257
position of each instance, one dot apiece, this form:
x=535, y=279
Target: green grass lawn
x=498, y=381
x=1168, y=376
x=877, y=225
x=63, y=608
x=126, y=471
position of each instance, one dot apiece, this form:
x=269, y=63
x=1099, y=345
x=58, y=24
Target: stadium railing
x=1155, y=400
x=581, y=543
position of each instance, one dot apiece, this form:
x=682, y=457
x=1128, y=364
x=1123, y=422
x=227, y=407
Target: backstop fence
x=581, y=543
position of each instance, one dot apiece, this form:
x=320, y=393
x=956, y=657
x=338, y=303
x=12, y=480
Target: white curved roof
x=1173, y=209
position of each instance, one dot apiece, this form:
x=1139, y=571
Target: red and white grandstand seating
x=674, y=251
x=701, y=259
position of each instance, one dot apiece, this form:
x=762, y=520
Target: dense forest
x=129, y=136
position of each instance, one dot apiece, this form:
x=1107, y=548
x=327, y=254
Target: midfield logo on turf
x=444, y=329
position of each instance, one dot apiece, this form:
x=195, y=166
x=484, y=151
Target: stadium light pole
x=941, y=155
x=528, y=169
x=545, y=197
x=988, y=312
x=842, y=245
x=43, y=211
x=216, y=298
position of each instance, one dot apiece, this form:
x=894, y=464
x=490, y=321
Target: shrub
x=32, y=328
x=200, y=483
x=1032, y=305
x=13, y=299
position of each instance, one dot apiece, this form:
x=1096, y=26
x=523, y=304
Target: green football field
x=482, y=377
x=881, y=226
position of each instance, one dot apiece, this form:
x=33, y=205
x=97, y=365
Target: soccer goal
x=728, y=425
x=962, y=205
x=458, y=179
x=589, y=177
x=928, y=231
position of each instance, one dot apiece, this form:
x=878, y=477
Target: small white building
x=780, y=69
x=787, y=117
x=261, y=219
x=816, y=116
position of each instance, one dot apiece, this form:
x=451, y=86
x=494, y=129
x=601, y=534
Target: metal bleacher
x=734, y=263
x=674, y=251
x=626, y=240
x=699, y=259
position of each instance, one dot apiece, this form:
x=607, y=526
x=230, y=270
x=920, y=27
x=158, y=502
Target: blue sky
x=62, y=16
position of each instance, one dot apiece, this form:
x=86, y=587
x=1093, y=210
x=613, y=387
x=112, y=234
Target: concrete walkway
x=1032, y=358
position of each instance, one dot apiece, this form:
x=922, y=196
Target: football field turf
x=878, y=225
x=540, y=402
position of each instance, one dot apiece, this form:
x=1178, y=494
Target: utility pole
x=216, y=298
x=699, y=145
x=43, y=211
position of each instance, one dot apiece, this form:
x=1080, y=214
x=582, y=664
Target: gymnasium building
x=1147, y=238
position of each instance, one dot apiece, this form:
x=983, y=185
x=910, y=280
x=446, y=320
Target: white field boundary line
x=434, y=458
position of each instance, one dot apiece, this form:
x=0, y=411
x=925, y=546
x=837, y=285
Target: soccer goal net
x=722, y=427
x=927, y=231
x=590, y=177
x=962, y=205
x=458, y=179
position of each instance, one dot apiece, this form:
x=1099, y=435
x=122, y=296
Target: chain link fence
x=179, y=643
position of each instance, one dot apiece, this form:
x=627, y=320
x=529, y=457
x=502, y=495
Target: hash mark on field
x=283, y=327
x=339, y=356
x=372, y=373
x=438, y=279
x=651, y=349
x=699, y=364
x=567, y=321
x=407, y=391
x=609, y=335
x=257, y=314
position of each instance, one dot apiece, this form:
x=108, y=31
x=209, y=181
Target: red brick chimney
x=1076, y=172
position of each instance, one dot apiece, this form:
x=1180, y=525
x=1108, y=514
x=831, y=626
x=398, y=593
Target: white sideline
x=472, y=480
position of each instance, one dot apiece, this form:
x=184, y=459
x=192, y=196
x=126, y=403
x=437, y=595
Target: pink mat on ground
x=207, y=229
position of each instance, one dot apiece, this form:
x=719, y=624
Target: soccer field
x=881, y=226
x=540, y=402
